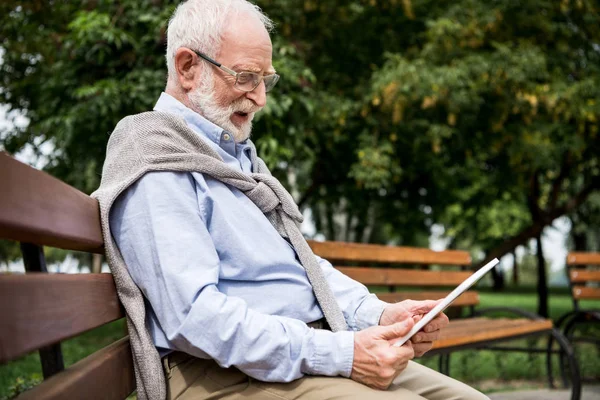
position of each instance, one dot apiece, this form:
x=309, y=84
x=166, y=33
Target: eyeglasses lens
x=270, y=81
x=248, y=81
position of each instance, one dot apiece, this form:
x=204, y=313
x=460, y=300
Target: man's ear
x=187, y=68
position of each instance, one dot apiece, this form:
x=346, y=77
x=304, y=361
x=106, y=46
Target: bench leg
x=51, y=356
x=444, y=363
x=568, y=353
x=563, y=320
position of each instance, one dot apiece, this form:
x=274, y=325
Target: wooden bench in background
x=583, y=271
x=363, y=262
x=584, y=277
x=39, y=310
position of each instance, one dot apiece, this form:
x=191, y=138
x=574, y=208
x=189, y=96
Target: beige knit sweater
x=157, y=141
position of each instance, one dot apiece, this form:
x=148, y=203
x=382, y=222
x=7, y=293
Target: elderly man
x=223, y=295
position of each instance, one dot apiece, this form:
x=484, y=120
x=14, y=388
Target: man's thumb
x=396, y=330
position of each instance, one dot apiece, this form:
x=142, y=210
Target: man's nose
x=258, y=95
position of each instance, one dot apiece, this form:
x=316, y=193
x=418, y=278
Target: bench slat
x=469, y=325
x=469, y=298
x=586, y=293
x=38, y=208
x=106, y=374
x=582, y=275
x=406, y=277
x=47, y=308
x=479, y=330
x=342, y=251
x=583, y=259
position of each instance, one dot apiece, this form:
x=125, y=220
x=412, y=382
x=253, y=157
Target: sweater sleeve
x=361, y=309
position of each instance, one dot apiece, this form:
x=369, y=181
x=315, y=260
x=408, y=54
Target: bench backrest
x=366, y=267
x=584, y=276
x=39, y=310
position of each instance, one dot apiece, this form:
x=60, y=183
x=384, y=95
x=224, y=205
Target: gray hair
x=198, y=25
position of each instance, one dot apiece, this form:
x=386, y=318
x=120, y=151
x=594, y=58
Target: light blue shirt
x=220, y=282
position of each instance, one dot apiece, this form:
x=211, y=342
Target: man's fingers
x=395, y=331
x=437, y=323
x=422, y=337
x=422, y=307
x=404, y=352
x=417, y=317
x=421, y=348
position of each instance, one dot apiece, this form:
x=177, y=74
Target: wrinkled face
x=245, y=46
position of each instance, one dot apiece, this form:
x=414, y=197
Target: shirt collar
x=170, y=104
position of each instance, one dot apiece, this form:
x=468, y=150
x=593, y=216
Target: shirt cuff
x=369, y=312
x=332, y=353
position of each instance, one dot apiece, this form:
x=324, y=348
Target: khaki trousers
x=194, y=378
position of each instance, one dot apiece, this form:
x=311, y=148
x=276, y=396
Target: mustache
x=246, y=106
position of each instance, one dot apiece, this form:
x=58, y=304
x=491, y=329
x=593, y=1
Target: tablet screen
x=467, y=283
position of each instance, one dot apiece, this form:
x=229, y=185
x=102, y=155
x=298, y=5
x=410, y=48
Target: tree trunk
x=498, y=279
x=330, y=223
x=96, y=263
x=579, y=241
x=515, y=267
x=542, y=284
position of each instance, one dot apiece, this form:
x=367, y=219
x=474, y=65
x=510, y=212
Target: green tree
x=585, y=221
x=391, y=115
x=9, y=252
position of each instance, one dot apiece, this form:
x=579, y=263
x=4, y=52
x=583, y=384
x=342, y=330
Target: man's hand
x=422, y=341
x=376, y=361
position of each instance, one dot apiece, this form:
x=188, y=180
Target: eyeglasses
x=246, y=81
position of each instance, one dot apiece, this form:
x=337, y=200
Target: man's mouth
x=239, y=118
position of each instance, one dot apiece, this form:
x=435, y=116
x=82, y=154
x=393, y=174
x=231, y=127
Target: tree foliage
x=501, y=102
x=391, y=116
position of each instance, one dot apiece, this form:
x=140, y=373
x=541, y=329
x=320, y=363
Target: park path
x=589, y=392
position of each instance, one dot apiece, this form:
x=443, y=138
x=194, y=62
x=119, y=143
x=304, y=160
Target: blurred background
x=453, y=125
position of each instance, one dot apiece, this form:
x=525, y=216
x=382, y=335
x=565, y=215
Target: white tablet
x=470, y=281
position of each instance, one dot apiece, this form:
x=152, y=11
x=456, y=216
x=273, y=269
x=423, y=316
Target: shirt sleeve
x=159, y=228
x=361, y=308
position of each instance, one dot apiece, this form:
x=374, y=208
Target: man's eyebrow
x=246, y=67
x=252, y=68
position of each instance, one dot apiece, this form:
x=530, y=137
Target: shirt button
x=226, y=137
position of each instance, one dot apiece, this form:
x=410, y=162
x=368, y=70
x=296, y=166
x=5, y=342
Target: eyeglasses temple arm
x=230, y=72
x=210, y=60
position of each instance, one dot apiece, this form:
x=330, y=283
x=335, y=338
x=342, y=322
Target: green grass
x=559, y=303
x=484, y=369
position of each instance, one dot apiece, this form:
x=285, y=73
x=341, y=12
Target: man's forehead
x=252, y=54
x=246, y=45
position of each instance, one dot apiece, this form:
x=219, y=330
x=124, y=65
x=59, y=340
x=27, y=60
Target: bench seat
x=422, y=274
x=473, y=331
x=113, y=365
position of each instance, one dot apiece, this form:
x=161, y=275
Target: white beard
x=204, y=102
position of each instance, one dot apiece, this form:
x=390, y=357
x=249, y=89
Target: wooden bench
x=583, y=271
x=381, y=266
x=39, y=310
